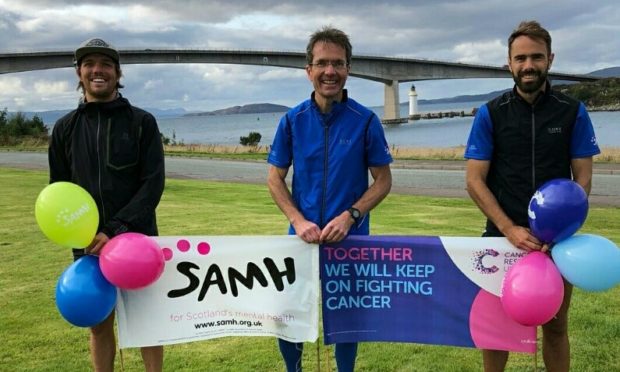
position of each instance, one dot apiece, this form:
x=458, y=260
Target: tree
x=251, y=139
x=37, y=126
x=18, y=127
x=4, y=130
x=3, y=115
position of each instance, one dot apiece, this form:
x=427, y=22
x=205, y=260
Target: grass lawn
x=34, y=337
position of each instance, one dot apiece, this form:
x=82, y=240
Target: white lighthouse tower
x=413, y=102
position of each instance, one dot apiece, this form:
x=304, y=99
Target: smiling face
x=328, y=73
x=529, y=61
x=99, y=77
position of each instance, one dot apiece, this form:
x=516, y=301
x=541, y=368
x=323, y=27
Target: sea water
x=443, y=133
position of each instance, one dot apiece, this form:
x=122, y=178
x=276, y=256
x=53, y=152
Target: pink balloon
x=491, y=328
x=131, y=261
x=532, y=290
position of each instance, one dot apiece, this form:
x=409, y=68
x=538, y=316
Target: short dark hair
x=328, y=34
x=531, y=29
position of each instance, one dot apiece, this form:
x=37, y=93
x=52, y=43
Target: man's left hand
x=337, y=229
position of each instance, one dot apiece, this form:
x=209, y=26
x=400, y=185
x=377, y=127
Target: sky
x=585, y=38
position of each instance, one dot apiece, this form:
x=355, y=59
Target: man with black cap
x=114, y=151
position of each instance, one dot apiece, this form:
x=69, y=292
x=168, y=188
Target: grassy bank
x=608, y=154
x=35, y=337
x=238, y=152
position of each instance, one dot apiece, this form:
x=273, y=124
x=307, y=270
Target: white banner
x=490, y=259
x=216, y=286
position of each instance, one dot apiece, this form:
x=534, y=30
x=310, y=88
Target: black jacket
x=532, y=145
x=114, y=151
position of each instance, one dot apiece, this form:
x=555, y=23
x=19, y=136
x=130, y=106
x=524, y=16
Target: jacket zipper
x=533, y=151
x=325, y=164
x=99, y=166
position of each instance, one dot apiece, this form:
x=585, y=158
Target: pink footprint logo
x=183, y=245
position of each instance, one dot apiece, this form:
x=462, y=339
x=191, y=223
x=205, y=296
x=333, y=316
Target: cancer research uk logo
x=539, y=198
x=483, y=260
x=479, y=257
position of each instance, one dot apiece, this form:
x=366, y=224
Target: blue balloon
x=83, y=295
x=589, y=262
x=557, y=210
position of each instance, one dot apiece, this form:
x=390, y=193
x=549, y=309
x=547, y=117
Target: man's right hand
x=522, y=238
x=307, y=231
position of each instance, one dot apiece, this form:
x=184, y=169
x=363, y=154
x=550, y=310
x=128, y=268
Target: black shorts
x=78, y=253
x=491, y=234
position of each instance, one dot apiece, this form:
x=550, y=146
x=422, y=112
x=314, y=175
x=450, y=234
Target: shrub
x=251, y=139
x=18, y=127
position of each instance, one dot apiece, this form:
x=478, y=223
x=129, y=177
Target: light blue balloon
x=590, y=262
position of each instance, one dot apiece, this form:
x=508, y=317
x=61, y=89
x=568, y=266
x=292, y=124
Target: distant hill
x=600, y=95
x=465, y=98
x=606, y=72
x=585, y=94
x=50, y=117
x=603, y=73
x=255, y=108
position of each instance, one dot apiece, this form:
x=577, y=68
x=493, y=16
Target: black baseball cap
x=96, y=45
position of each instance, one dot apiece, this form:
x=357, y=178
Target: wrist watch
x=355, y=213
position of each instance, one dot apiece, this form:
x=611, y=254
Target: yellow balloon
x=67, y=214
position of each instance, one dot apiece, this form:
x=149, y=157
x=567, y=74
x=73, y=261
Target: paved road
x=433, y=178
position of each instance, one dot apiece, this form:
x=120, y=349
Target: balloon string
x=536, y=351
x=327, y=352
x=318, y=347
x=120, y=351
x=318, y=356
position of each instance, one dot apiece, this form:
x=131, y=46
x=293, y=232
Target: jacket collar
x=118, y=103
x=345, y=97
x=541, y=95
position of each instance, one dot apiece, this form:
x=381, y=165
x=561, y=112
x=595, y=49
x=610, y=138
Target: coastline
x=459, y=165
x=433, y=178
x=608, y=162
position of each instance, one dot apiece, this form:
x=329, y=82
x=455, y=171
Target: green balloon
x=67, y=214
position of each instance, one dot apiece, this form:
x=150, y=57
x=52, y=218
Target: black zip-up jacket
x=531, y=146
x=114, y=151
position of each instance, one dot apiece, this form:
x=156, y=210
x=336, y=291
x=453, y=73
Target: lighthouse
x=413, y=101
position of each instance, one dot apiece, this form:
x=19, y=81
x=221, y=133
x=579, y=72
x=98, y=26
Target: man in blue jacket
x=114, y=151
x=332, y=142
x=518, y=142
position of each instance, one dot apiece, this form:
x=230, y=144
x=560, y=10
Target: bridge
x=387, y=70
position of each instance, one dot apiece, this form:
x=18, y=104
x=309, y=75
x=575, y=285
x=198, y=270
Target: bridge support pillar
x=391, y=105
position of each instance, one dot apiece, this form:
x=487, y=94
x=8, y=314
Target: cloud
x=482, y=53
x=280, y=74
x=473, y=31
x=11, y=85
x=51, y=87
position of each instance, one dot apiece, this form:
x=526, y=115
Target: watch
x=355, y=213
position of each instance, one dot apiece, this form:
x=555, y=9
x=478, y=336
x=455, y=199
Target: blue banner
x=415, y=289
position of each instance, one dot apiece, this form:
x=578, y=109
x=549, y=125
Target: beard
x=106, y=93
x=530, y=86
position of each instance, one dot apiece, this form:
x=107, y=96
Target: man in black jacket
x=114, y=151
x=518, y=142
